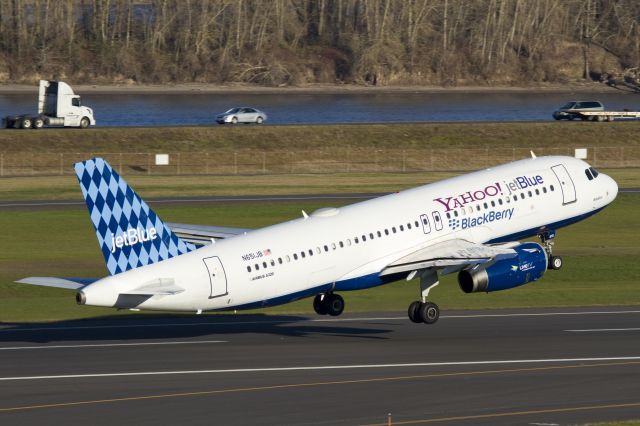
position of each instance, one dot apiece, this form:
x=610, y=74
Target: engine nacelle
x=528, y=265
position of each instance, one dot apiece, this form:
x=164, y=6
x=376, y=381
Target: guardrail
x=343, y=160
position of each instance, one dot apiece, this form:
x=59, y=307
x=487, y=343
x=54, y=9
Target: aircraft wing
x=202, y=234
x=450, y=255
x=68, y=283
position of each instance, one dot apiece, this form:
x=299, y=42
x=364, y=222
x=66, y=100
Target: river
x=297, y=108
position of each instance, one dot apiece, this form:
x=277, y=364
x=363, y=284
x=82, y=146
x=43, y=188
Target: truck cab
x=59, y=106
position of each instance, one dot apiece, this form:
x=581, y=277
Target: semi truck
x=57, y=106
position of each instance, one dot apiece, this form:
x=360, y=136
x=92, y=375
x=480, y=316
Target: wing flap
x=68, y=283
x=449, y=254
x=202, y=234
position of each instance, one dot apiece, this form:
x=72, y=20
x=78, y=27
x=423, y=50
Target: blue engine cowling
x=528, y=265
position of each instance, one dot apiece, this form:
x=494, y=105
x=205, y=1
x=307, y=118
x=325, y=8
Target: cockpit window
x=588, y=173
x=594, y=172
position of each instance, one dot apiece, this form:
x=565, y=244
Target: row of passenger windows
x=334, y=246
x=501, y=202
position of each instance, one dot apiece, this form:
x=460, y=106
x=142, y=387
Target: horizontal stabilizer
x=157, y=287
x=450, y=253
x=68, y=283
x=203, y=234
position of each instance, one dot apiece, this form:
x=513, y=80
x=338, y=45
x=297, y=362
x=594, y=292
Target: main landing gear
x=328, y=304
x=423, y=310
x=555, y=262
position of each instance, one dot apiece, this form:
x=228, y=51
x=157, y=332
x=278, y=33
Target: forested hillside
x=295, y=42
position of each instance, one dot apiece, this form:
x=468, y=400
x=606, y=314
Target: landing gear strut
x=423, y=310
x=555, y=262
x=328, y=304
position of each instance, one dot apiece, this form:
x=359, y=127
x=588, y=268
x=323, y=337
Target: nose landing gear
x=328, y=304
x=555, y=262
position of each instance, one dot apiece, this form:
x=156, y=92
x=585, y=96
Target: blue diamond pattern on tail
x=130, y=234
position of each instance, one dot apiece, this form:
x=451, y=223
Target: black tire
x=318, y=306
x=38, y=123
x=429, y=313
x=26, y=123
x=84, y=123
x=334, y=303
x=259, y=120
x=414, y=312
x=234, y=120
x=555, y=263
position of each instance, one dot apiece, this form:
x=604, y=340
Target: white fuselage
x=346, y=248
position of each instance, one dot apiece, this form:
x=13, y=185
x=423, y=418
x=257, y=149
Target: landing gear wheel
x=334, y=304
x=429, y=313
x=414, y=314
x=318, y=304
x=555, y=262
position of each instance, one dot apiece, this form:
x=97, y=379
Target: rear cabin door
x=566, y=184
x=217, y=276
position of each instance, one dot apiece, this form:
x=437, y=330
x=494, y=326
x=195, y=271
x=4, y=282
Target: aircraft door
x=566, y=184
x=217, y=276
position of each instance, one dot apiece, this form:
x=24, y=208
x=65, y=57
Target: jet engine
x=529, y=264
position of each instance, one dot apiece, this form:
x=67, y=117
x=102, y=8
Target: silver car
x=572, y=109
x=242, y=115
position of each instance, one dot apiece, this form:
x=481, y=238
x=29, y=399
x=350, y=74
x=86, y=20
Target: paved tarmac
x=507, y=367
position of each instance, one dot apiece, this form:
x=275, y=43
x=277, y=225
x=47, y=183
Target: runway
x=506, y=367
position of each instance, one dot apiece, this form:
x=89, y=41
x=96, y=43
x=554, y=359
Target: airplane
x=470, y=225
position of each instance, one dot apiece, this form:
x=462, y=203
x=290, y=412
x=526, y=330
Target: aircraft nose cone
x=611, y=188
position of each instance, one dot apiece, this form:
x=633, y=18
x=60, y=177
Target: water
x=296, y=108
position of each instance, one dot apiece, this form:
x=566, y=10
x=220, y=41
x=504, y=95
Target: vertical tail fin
x=130, y=234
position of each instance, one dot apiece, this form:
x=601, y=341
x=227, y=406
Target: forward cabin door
x=566, y=184
x=217, y=276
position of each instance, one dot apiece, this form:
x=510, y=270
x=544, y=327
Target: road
x=551, y=366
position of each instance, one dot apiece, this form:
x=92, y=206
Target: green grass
x=601, y=262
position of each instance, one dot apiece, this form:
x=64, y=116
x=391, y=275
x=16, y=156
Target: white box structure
x=581, y=153
x=163, y=159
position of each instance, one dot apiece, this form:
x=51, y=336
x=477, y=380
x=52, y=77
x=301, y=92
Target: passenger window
x=393, y=229
x=302, y=254
x=273, y=262
x=295, y=256
x=455, y=213
x=280, y=260
x=478, y=207
x=364, y=238
x=257, y=267
x=326, y=248
x=522, y=195
x=318, y=250
x=288, y=259
x=500, y=201
x=356, y=240
x=530, y=194
x=264, y=264
x=386, y=232
x=401, y=227
x=333, y=246
x=544, y=189
x=448, y=215
x=341, y=244
x=486, y=206
x=371, y=235
x=348, y=242
x=379, y=234
x=493, y=203
x=551, y=188
x=415, y=223
x=537, y=191
x=310, y=252
x=248, y=268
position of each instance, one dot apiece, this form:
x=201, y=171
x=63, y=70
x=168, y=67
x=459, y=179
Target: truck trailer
x=57, y=106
